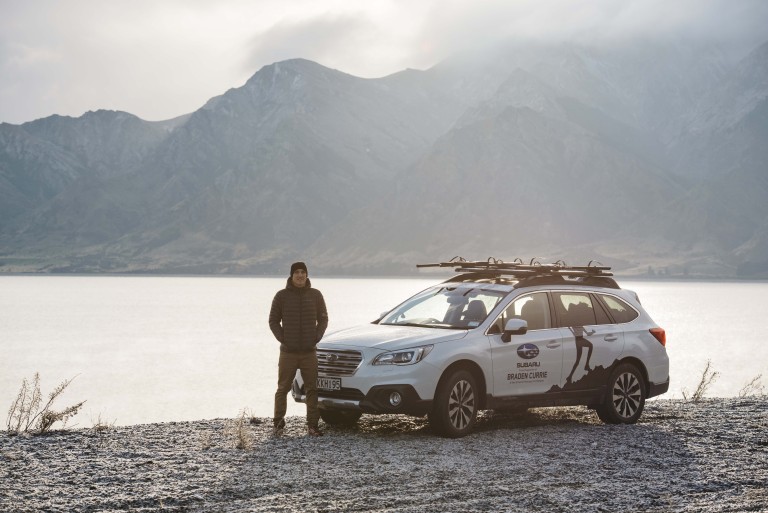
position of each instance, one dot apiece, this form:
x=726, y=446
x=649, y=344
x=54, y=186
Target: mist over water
x=152, y=349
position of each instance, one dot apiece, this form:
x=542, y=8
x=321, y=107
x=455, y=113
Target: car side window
x=601, y=313
x=533, y=308
x=574, y=309
x=620, y=311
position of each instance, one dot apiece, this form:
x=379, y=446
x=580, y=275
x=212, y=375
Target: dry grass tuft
x=754, y=387
x=707, y=378
x=101, y=426
x=25, y=414
x=240, y=432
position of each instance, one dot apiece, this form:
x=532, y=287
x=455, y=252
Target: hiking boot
x=278, y=427
x=314, y=431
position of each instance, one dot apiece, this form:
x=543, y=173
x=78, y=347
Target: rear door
x=591, y=341
x=530, y=363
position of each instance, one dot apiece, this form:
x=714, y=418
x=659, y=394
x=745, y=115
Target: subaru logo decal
x=528, y=351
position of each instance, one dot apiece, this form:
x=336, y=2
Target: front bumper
x=376, y=401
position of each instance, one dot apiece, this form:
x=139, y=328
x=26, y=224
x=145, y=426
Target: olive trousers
x=288, y=364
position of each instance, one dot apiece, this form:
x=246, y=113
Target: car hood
x=388, y=337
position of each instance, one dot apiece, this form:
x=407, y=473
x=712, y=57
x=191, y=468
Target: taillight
x=660, y=335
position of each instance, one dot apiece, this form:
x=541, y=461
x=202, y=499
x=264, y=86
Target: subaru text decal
x=528, y=351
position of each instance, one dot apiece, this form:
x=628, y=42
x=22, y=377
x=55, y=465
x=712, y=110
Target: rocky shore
x=710, y=456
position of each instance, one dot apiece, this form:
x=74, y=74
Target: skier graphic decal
x=581, y=343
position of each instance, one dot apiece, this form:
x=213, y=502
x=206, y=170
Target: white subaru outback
x=500, y=336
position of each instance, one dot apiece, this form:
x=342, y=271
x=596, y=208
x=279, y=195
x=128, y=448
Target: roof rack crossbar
x=518, y=269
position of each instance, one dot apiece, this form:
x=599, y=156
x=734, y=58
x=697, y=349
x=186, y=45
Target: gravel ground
x=711, y=456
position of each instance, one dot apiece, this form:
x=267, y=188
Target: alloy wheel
x=461, y=404
x=627, y=394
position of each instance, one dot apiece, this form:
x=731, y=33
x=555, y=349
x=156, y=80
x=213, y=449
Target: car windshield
x=448, y=307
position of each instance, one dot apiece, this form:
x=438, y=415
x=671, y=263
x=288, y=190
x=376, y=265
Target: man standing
x=298, y=319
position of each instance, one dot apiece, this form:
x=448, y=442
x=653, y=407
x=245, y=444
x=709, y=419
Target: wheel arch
x=474, y=369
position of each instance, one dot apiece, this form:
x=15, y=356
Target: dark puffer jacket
x=298, y=317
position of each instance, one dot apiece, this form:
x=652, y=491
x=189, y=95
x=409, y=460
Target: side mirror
x=514, y=327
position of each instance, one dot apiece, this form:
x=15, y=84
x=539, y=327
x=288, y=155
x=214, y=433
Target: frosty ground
x=710, y=456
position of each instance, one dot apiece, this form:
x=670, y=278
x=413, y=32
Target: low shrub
x=26, y=414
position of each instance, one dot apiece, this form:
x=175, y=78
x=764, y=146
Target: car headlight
x=403, y=356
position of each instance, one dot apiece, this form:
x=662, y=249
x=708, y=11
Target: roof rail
x=519, y=269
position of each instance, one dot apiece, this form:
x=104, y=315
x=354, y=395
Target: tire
x=625, y=399
x=340, y=417
x=454, y=411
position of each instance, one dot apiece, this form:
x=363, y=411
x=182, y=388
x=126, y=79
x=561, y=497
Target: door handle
x=553, y=344
x=610, y=338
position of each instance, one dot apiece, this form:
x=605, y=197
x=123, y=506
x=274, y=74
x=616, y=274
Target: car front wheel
x=454, y=411
x=625, y=399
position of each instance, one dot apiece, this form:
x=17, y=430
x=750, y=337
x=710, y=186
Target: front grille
x=336, y=362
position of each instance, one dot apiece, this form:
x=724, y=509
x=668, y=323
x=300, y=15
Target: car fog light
x=395, y=398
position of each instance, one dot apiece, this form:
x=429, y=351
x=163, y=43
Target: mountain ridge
x=370, y=175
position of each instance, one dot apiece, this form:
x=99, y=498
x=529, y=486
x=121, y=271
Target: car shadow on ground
x=488, y=420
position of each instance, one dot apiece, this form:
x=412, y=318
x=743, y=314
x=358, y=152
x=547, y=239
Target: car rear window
x=620, y=311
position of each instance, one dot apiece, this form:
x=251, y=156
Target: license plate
x=330, y=384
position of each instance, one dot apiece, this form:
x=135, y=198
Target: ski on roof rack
x=519, y=269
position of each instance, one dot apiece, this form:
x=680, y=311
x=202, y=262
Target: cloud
x=154, y=59
x=740, y=24
x=162, y=59
x=365, y=43
x=329, y=40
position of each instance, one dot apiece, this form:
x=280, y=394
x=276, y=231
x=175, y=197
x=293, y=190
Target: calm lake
x=152, y=349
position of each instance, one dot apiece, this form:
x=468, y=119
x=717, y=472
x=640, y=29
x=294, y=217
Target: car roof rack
x=532, y=273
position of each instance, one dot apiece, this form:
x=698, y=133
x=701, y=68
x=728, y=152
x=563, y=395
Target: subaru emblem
x=528, y=351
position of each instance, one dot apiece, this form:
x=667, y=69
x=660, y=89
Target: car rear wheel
x=340, y=417
x=625, y=399
x=454, y=411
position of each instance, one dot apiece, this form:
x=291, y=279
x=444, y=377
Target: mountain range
x=649, y=156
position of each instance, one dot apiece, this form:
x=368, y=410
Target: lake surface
x=153, y=349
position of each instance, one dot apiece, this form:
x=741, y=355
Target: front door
x=531, y=363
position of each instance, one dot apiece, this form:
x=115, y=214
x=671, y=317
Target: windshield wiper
x=418, y=325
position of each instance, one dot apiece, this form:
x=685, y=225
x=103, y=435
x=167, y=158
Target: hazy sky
x=159, y=59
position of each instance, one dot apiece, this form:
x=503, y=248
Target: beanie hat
x=298, y=265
